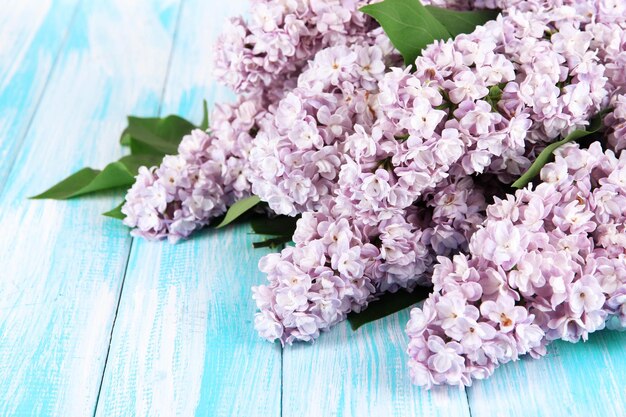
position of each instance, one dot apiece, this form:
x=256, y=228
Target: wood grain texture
x=573, y=380
x=184, y=342
x=362, y=373
x=32, y=32
x=61, y=262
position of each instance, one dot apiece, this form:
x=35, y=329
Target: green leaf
x=494, y=96
x=595, y=124
x=408, y=24
x=388, y=304
x=273, y=242
x=116, y=174
x=116, y=213
x=205, y=116
x=278, y=226
x=89, y=180
x=125, y=138
x=239, y=208
x=68, y=186
x=154, y=135
x=457, y=22
x=159, y=135
x=134, y=162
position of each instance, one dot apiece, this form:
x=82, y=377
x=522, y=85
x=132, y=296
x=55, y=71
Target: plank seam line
x=117, y=307
x=469, y=407
x=57, y=56
x=132, y=240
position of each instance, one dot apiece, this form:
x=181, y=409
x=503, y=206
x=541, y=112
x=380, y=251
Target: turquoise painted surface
x=62, y=264
x=93, y=322
x=32, y=34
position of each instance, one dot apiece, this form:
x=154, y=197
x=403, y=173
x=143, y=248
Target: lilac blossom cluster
x=191, y=188
x=296, y=158
x=266, y=53
x=439, y=126
x=606, y=11
x=209, y=173
x=339, y=264
x=483, y=102
x=547, y=264
x=488, y=101
x=348, y=104
x=616, y=123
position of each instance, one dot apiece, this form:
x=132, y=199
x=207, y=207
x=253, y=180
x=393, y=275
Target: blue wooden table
x=93, y=322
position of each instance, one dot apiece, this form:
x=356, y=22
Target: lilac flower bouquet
x=468, y=152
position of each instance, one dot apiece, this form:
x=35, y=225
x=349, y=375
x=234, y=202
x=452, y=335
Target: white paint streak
x=163, y=387
x=62, y=263
x=85, y=364
x=143, y=342
x=130, y=32
x=193, y=349
x=18, y=23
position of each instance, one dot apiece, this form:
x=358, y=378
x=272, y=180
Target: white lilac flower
x=329, y=134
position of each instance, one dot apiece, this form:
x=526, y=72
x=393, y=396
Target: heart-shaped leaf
x=411, y=26
x=160, y=135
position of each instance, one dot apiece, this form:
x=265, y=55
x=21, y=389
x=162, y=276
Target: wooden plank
x=184, y=341
x=61, y=262
x=362, y=373
x=32, y=32
x=573, y=380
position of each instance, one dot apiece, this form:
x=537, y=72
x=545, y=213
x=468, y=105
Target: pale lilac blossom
x=209, y=174
x=547, y=264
